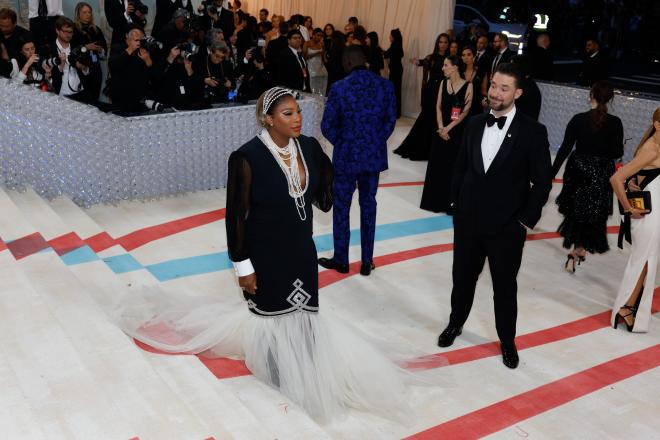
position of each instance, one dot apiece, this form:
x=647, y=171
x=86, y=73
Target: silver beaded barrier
x=561, y=102
x=61, y=147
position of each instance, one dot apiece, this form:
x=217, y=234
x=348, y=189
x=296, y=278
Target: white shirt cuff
x=243, y=268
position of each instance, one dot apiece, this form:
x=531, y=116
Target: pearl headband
x=273, y=95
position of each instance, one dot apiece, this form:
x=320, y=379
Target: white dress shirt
x=54, y=8
x=70, y=79
x=493, y=138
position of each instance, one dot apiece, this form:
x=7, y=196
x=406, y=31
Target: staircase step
x=126, y=385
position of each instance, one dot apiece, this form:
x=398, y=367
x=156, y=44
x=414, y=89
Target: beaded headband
x=273, y=95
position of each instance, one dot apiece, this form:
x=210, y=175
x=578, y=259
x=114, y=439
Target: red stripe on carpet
x=542, y=337
x=66, y=243
x=153, y=233
x=100, y=242
x=3, y=246
x=501, y=415
x=28, y=245
x=393, y=184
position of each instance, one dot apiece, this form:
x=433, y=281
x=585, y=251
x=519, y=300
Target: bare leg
x=634, y=297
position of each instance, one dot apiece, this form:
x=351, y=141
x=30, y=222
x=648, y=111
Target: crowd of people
x=192, y=59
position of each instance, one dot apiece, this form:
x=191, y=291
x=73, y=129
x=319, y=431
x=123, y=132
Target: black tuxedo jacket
x=289, y=73
x=504, y=58
x=114, y=13
x=516, y=185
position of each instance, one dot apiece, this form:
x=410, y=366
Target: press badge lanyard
x=457, y=108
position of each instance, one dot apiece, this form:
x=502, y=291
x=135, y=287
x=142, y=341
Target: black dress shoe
x=448, y=335
x=366, y=268
x=329, y=263
x=510, y=356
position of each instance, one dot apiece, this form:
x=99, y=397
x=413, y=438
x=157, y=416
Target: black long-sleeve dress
x=395, y=55
x=585, y=200
x=264, y=225
x=417, y=144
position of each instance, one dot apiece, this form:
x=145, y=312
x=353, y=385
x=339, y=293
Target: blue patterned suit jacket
x=359, y=117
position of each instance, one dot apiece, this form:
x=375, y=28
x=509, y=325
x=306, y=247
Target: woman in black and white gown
x=633, y=302
x=312, y=357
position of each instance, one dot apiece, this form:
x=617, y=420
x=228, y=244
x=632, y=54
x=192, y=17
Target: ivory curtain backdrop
x=420, y=22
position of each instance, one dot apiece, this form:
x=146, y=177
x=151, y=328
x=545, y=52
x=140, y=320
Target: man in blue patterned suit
x=359, y=117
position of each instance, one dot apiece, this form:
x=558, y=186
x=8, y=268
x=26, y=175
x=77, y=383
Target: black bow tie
x=492, y=120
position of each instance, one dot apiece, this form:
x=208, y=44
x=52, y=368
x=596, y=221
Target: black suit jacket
x=516, y=185
x=504, y=58
x=114, y=13
x=593, y=69
x=289, y=73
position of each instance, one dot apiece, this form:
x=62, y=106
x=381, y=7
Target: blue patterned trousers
x=343, y=188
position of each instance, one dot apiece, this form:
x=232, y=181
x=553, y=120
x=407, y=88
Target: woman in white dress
x=318, y=76
x=633, y=302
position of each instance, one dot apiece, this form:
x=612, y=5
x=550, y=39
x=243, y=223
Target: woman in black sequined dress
x=585, y=200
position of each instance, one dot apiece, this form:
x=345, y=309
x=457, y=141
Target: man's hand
x=130, y=8
x=33, y=59
x=174, y=53
x=187, y=63
x=63, y=61
x=145, y=56
x=248, y=283
x=227, y=83
x=211, y=82
x=94, y=47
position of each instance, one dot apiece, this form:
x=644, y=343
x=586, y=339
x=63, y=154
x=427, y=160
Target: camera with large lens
x=188, y=50
x=140, y=7
x=152, y=105
x=52, y=62
x=151, y=44
x=80, y=55
x=257, y=54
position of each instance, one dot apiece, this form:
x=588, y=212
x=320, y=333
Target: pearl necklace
x=292, y=172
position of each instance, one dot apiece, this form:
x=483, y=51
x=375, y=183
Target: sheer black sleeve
x=570, y=136
x=323, y=195
x=239, y=182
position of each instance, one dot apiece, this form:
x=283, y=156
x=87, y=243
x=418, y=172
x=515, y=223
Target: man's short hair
x=511, y=69
x=6, y=13
x=63, y=22
x=264, y=10
x=504, y=38
x=284, y=27
x=353, y=20
x=211, y=35
x=293, y=32
x=353, y=55
x=219, y=46
x=131, y=31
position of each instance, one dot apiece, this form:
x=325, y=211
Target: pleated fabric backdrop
x=420, y=22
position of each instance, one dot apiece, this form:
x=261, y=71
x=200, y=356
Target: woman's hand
x=248, y=283
x=632, y=185
x=637, y=213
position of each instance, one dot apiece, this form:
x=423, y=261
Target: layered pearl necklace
x=292, y=172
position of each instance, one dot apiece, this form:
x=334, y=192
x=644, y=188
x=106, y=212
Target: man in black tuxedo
x=291, y=68
x=482, y=57
x=501, y=181
x=118, y=13
x=594, y=66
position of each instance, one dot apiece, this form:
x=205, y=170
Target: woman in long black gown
x=417, y=144
x=309, y=356
x=395, y=54
x=585, y=200
x=453, y=106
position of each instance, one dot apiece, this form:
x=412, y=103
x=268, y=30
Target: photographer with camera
x=11, y=35
x=255, y=78
x=26, y=68
x=165, y=11
x=86, y=33
x=180, y=29
x=181, y=86
x=217, y=73
x=215, y=14
x=122, y=13
x=70, y=66
x=133, y=76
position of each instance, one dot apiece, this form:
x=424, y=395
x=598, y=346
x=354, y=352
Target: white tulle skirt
x=315, y=359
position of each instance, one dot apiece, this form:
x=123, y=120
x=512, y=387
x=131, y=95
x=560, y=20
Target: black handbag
x=638, y=200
